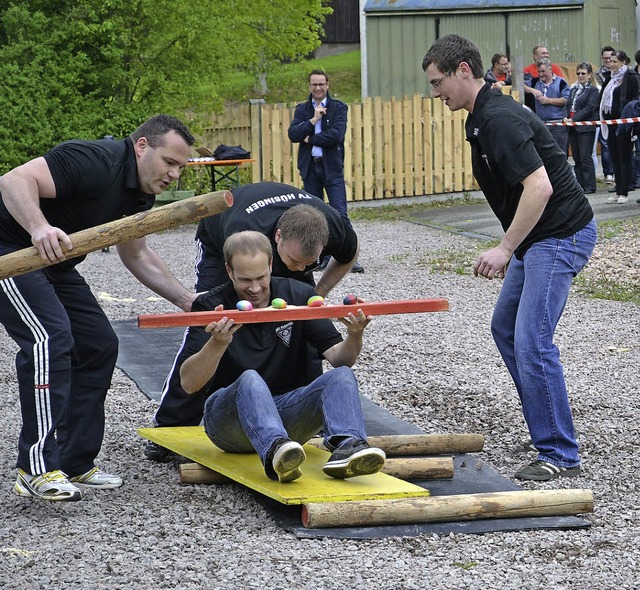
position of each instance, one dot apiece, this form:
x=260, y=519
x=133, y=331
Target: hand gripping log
x=121, y=230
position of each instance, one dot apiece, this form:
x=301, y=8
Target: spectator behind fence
x=583, y=106
x=551, y=101
x=619, y=89
x=498, y=74
x=602, y=74
x=531, y=75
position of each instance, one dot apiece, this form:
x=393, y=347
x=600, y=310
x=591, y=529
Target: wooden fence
x=396, y=148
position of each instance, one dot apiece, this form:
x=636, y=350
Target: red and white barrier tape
x=592, y=123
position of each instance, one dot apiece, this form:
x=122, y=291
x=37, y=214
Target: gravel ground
x=439, y=371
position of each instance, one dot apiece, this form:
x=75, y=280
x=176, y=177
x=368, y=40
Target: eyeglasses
x=582, y=73
x=435, y=84
x=318, y=85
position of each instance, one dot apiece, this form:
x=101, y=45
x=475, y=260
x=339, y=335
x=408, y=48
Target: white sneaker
x=52, y=485
x=622, y=199
x=612, y=199
x=96, y=479
x=609, y=179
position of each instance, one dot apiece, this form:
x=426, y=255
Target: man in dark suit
x=319, y=126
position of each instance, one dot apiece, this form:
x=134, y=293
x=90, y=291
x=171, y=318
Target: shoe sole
x=103, y=486
x=25, y=491
x=365, y=462
x=548, y=477
x=287, y=461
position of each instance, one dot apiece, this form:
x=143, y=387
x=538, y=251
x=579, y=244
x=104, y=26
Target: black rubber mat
x=146, y=357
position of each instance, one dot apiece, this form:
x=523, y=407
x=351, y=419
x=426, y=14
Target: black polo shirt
x=277, y=350
x=96, y=182
x=258, y=207
x=508, y=143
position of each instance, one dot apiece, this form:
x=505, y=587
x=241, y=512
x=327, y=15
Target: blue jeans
x=530, y=304
x=245, y=417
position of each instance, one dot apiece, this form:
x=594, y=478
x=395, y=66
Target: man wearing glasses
x=549, y=236
x=319, y=125
x=498, y=74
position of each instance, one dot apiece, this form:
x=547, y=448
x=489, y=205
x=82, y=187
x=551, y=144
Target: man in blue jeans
x=549, y=236
x=261, y=398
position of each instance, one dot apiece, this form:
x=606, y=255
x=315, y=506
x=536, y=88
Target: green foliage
x=87, y=68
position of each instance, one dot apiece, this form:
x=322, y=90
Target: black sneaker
x=154, y=452
x=544, y=471
x=357, y=268
x=354, y=457
x=283, y=460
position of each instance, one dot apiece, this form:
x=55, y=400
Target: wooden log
x=121, y=230
x=516, y=504
x=409, y=468
x=196, y=473
x=404, y=468
x=422, y=444
x=291, y=313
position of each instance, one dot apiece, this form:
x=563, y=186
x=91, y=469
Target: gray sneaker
x=96, y=479
x=544, y=471
x=52, y=485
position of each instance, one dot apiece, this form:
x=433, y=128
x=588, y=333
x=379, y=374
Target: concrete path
x=477, y=220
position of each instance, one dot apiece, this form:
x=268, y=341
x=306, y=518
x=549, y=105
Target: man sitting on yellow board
x=260, y=397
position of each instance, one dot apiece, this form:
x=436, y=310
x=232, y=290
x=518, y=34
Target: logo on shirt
x=284, y=333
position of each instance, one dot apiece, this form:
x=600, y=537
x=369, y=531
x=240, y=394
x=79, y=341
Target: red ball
x=350, y=299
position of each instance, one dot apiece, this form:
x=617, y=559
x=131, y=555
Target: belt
x=316, y=159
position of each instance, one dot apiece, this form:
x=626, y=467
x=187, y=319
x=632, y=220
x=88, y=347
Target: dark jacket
x=626, y=92
x=491, y=78
x=584, y=109
x=331, y=139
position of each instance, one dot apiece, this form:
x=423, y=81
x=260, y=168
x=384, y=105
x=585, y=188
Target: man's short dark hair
x=496, y=59
x=156, y=127
x=306, y=225
x=606, y=48
x=447, y=53
x=318, y=72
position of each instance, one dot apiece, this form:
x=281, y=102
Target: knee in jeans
x=343, y=378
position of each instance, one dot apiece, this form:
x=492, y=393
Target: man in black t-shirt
x=296, y=247
x=68, y=349
x=301, y=228
x=549, y=236
x=258, y=394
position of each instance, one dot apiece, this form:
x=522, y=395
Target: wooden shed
x=397, y=33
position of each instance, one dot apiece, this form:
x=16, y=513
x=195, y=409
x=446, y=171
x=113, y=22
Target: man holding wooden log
x=301, y=228
x=67, y=347
x=549, y=236
x=259, y=396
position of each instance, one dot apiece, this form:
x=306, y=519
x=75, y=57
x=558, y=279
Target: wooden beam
x=269, y=314
x=121, y=230
x=516, y=504
x=421, y=444
x=409, y=468
x=196, y=473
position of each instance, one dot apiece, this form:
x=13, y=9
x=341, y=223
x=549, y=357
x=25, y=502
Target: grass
x=289, y=83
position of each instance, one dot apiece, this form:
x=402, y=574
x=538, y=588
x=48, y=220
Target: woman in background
x=621, y=88
x=583, y=106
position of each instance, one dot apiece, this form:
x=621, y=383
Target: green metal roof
x=446, y=5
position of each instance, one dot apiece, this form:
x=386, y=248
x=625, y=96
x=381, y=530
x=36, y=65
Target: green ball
x=278, y=303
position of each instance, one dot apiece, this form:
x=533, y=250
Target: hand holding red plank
x=289, y=313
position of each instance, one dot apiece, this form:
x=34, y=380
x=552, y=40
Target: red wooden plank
x=268, y=314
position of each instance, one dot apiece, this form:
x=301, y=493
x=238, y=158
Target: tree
x=87, y=68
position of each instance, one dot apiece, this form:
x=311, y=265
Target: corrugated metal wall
x=396, y=43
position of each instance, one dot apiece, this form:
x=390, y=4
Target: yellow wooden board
x=313, y=486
